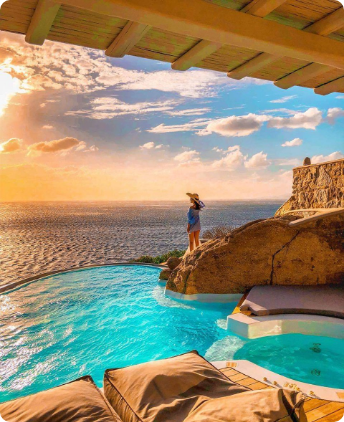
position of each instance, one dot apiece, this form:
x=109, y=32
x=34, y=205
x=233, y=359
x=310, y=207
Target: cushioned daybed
x=183, y=388
x=319, y=300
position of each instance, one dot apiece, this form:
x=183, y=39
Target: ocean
x=40, y=237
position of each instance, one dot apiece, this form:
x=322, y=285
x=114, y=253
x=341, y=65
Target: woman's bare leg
x=191, y=241
x=197, y=239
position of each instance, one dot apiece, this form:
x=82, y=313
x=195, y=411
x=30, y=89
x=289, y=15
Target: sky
x=76, y=125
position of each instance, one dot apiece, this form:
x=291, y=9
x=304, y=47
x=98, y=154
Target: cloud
x=192, y=126
x=286, y=111
x=258, y=161
x=239, y=126
x=294, y=143
x=191, y=163
x=150, y=145
x=110, y=107
x=333, y=114
x=310, y=119
x=12, y=145
x=231, y=161
x=192, y=84
x=235, y=125
x=187, y=156
x=284, y=99
x=92, y=148
x=295, y=162
x=63, y=67
x=65, y=144
x=57, y=66
x=337, y=155
x=48, y=127
x=229, y=149
x=189, y=112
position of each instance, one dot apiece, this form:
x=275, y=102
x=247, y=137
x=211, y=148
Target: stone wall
x=317, y=186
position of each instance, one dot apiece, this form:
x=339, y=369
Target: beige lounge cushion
x=77, y=401
x=165, y=390
x=270, y=405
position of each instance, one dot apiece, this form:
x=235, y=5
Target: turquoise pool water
x=83, y=322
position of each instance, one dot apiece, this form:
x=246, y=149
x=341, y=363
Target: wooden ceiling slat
x=324, y=26
x=88, y=17
x=168, y=44
x=42, y=21
x=68, y=20
x=130, y=35
x=205, y=48
x=262, y=8
x=333, y=86
x=72, y=35
x=301, y=75
x=200, y=51
x=68, y=39
x=279, y=68
x=226, y=58
x=323, y=78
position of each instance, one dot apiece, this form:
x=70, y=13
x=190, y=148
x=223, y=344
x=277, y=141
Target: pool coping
x=275, y=380
x=252, y=327
x=16, y=284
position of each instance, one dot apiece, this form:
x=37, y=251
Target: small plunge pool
x=82, y=322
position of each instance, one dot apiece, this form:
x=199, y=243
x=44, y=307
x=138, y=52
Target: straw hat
x=194, y=196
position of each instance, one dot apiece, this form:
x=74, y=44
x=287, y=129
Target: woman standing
x=194, y=223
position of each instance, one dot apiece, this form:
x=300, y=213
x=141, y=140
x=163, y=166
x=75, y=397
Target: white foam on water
x=224, y=349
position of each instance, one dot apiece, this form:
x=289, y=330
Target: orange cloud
x=57, y=145
x=12, y=145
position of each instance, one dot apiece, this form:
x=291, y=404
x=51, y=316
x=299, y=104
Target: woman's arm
x=188, y=229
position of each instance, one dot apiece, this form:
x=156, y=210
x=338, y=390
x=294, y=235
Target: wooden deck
x=317, y=410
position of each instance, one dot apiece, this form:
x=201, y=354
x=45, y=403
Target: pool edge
x=16, y=284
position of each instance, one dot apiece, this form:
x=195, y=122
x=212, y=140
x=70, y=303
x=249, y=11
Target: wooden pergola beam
x=42, y=21
x=130, y=35
x=253, y=65
x=329, y=24
x=302, y=75
x=333, y=86
x=205, y=48
x=199, y=52
x=203, y=20
x=325, y=26
x=262, y=8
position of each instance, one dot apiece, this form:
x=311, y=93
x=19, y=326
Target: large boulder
x=165, y=274
x=173, y=262
x=265, y=252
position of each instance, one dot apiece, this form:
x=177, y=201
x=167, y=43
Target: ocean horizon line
x=138, y=200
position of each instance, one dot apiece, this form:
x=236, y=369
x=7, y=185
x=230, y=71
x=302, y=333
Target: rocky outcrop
x=316, y=186
x=165, y=274
x=265, y=252
x=173, y=262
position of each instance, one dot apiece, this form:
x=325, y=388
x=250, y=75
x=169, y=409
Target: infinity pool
x=82, y=322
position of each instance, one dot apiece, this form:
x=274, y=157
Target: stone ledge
x=320, y=164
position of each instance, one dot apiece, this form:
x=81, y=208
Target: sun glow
x=8, y=87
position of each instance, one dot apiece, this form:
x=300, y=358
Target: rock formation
x=265, y=252
x=316, y=186
x=165, y=274
x=173, y=262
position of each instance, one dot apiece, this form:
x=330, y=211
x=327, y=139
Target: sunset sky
x=75, y=125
